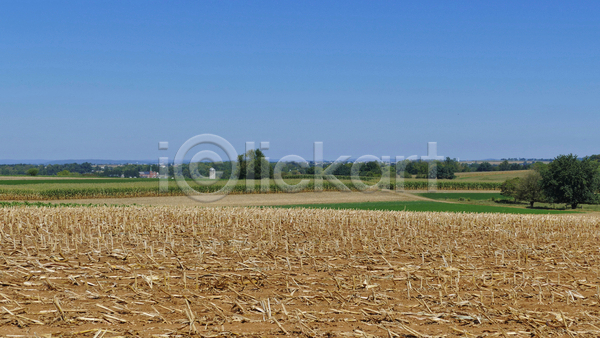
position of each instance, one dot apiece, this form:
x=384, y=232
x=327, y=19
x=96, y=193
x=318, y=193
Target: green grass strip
x=427, y=206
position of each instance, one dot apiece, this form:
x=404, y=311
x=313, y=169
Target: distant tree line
x=76, y=169
x=128, y=170
x=46, y=170
x=411, y=168
x=253, y=159
x=256, y=161
x=201, y=170
x=504, y=166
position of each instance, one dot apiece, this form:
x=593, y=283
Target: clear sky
x=484, y=79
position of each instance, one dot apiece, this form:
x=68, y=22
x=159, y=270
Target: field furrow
x=180, y=271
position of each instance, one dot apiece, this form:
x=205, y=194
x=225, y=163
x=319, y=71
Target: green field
x=496, y=199
x=428, y=206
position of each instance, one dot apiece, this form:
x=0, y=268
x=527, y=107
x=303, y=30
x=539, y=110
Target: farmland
x=490, y=176
x=476, y=196
x=248, y=199
x=468, y=195
x=59, y=189
x=174, y=271
x=427, y=206
x=495, y=199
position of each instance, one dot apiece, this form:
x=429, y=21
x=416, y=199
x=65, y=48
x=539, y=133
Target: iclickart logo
x=321, y=173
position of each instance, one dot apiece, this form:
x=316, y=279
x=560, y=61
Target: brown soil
x=224, y=272
x=256, y=199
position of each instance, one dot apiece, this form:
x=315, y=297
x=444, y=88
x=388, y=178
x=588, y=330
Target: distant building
x=148, y=174
x=212, y=174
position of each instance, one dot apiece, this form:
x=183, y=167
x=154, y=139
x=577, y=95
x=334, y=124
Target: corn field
x=219, y=272
x=173, y=190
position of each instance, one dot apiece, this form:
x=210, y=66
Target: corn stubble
x=167, y=271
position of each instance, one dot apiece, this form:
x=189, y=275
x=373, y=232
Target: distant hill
x=23, y=161
x=92, y=161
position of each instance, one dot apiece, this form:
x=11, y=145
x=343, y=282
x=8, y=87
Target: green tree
x=412, y=167
x=260, y=161
x=32, y=171
x=509, y=188
x=571, y=181
x=539, y=167
x=529, y=189
x=504, y=166
x=446, y=169
x=400, y=168
x=422, y=169
x=132, y=171
x=254, y=160
x=485, y=166
x=241, y=167
x=63, y=173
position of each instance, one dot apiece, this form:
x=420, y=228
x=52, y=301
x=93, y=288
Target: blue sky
x=110, y=79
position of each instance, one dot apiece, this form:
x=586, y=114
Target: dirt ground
x=257, y=199
x=248, y=272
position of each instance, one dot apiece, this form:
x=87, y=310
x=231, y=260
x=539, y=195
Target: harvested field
x=218, y=272
x=256, y=199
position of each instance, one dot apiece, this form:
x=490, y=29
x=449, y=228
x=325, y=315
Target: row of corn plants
x=240, y=188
